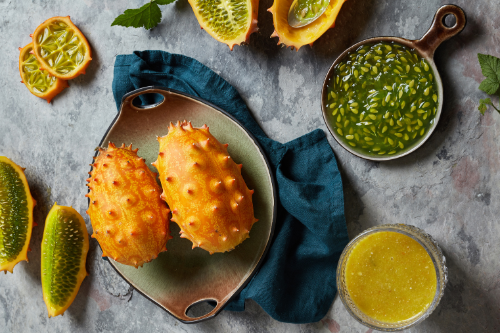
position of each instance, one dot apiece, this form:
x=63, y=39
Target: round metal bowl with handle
x=425, y=47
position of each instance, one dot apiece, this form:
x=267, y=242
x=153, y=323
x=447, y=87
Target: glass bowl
x=438, y=259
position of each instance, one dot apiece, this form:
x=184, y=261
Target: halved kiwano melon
x=230, y=22
x=298, y=37
x=65, y=245
x=16, y=215
x=61, y=48
x=38, y=81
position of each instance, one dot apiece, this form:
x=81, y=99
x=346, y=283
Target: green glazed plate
x=182, y=277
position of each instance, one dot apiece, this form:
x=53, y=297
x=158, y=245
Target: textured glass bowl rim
x=438, y=259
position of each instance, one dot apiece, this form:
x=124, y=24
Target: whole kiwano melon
x=203, y=186
x=16, y=215
x=65, y=245
x=130, y=220
x=230, y=22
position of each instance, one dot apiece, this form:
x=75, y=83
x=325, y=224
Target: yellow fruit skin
x=37, y=48
x=23, y=255
x=56, y=88
x=298, y=37
x=204, y=188
x=54, y=309
x=241, y=39
x=129, y=219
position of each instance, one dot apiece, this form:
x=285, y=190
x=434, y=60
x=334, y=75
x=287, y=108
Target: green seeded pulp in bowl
x=382, y=99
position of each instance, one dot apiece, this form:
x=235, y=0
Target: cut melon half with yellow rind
x=298, y=37
x=242, y=31
x=65, y=245
x=8, y=265
x=61, y=48
x=39, y=82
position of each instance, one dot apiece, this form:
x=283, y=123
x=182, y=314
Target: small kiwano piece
x=230, y=22
x=65, y=245
x=39, y=82
x=16, y=215
x=298, y=37
x=204, y=188
x=61, y=48
x=129, y=218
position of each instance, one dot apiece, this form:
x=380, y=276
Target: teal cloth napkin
x=297, y=280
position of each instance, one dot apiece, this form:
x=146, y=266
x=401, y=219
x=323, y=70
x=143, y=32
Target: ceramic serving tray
x=182, y=277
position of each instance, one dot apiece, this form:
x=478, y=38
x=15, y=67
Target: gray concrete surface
x=449, y=187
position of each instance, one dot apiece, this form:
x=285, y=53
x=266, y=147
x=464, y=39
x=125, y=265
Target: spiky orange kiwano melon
x=230, y=22
x=16, y=215
x=129, y=219
x=298, y=37
x=204, y=188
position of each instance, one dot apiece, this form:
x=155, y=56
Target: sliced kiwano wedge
x=230, y=22
x=38, y=81
x=16, y=215
x=61, y=48
x=65, y=245
x=298, y=37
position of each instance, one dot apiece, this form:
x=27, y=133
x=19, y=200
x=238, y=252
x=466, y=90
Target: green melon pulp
x=227, y=18
x=61, y=48
x=63, y=246
x=40, y=81
x=383, y=99
x=14, y=213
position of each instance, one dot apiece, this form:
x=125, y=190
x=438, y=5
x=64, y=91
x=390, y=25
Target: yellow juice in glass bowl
x=391, y=277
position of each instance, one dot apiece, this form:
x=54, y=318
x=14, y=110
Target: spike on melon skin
x=129, y=217
x=204, y=195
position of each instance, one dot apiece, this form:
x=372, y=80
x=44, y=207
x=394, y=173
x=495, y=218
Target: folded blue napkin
x=297, y=280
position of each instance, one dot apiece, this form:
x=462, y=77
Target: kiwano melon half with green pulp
x=298, y=37
x=130, y=220
x=65, y=245
x=203, y=186
x=16, y=215
x=230, y=22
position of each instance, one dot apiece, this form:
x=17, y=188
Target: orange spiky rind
x=65, y=245
x=32, y=74
x=295, y=38
x=44, y=34
x=243, y=37
x=7, y=265
x=210, y=196
x=125, y=193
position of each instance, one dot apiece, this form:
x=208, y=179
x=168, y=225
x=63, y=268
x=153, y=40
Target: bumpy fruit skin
x=204, y=188
x=129, y=219
x=242, y=38
x=16, y=215
x=33, y=76
x=65, y=245
x=61, y=48
x=298, y=37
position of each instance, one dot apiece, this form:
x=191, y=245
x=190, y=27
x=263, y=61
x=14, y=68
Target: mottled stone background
x=449, y=187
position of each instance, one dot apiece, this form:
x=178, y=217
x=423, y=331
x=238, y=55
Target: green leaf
x=148, y=16
x=482, y=105
x=490, y=66
x=489, y=86
x=164, y=2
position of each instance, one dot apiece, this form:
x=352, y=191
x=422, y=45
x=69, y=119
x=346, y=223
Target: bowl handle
x=439, y=32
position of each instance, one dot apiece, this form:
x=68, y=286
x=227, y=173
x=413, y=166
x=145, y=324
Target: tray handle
x=439, y=32
x=127, y=100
